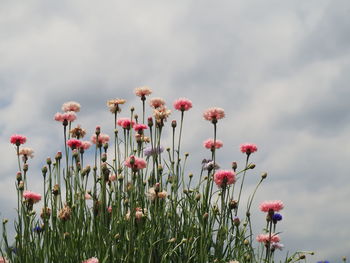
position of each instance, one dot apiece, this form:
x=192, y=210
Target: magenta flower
x=126, y=123
x=223, y=178
x=264, y=238
x=183, y=104
x=71, y=106
x=74, y=143
x=102, y=138
x=91, y=260
x=67, y=116
x=275, y=206
x=135, y=163
x=140, y=127
x=156, y=102
x=209, y=144
x=248, y=148
x=143, y=91
x=214, y=114
x=31, y=196
x=18, y=139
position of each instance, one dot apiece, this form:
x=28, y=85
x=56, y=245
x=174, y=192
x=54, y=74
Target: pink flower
x=143, y=91
x=71, y=106
x=74, y=143
x=183, y=104
x=248, y=148
x=157, y=102
x=126, y=123
x=102, y=138
x=138, y=213
x=135, y=163
x=67, y=116
x=31, y=196
x=85, y=145
x=109, y=209
x=91, y=260
x=3, y=260
x=209, y=144
x=18, y=139
x=113, y=105
x=223, y=178
x=140, y=127
x=275, y=206
x=112, y=178
x=264, y=238
x=214, y=114
x=88, y=196
x=26, y=152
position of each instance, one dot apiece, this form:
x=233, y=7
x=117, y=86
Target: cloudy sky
x=280, y=69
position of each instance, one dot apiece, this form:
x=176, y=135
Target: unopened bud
x=234, y=166
x=251, y=166
x=198, y=197
x=173, y=124
x=263, y=175
x=48, y=161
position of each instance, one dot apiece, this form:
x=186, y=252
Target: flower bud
x=44, y=170
x=263, y=175
x=97, y=130
x=233, y=204
x=19, y=177
x=48, y=161
x=234, y=166
x=251, y=166
x=58, y=156
x=173, y=124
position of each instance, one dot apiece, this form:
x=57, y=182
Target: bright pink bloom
x=102, y=138
x=275, y=205
x=126, y=123
x=74, y=143
x=31, y=196
x=224, y=177
x=71, y=106
x=212, y=114
x=91, y=260
x=135, y=163
x=85, y=145
x=143, y=91
x=209, y=144
x=183, y=104
x=18, y=139
x=140, y=127
x=157, y=102
x=264, y=238
x=67, y=116
x=248, y=148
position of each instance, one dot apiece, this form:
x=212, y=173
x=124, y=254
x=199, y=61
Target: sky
x=278, y=68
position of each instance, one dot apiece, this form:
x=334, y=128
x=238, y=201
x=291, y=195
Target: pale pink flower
x=31, y=196
x=91, y=260
x=138, y=213
x=222, y=178
x=182, y=104
x=156, y=102
x=140, y=127
x=109, y=209
x=276, y=245
x=18, y=139
x=112, y=178
x=209, y=144
x=161, y=113
x=74, y=143
x=113, y=105
x=135, y=163
x=88, y=196
x=275, y=205
x=67, y=116
x=3, y=260
x=152, y=195
x=162, y=195
x=85, y=145
x=264, y=238
x=102, y=138
x=214, y=114
x=26, y=152
x=143, y=91
x=125, y=123
x=248, y=148
x=71, y=106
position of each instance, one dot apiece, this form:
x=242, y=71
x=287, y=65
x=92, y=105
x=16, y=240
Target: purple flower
x=149, y=151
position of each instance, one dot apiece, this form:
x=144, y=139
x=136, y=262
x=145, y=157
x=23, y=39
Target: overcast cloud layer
x=280, y=69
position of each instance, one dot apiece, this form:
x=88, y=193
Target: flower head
x=91, y=260
x=209, y=144
x=209, y=165
x=183, y=104
x=223, y=178
x=275, y=206
x=65, y=117
x=279, y=246
x=214, y=114
x=26, y=152
x=138, y=213
x=77, y=132
x=248, y=148
x=113, y=105
x=140, y=127
x=150, y=151
x=161, y=113
x=18, y=139
x=74, y=143
x=264, y=238
x=102, y=138
x=142, y=92
x=156, y=102
x=135, y=163
x=125, y=123
x=71, y=106
x=276, y=217
x=31, y=196
x=85, y=145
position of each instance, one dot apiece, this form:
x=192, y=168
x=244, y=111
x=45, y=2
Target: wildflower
x=71, y=106
x=87, y=196
x=150, y=151
x=276, y=245
x=209, y=165
x=214, y=114
x=26, y=152
x=276, y=217
x=138, y=213
x=157, y=102
x=65, y=213
x=109, y=209
x=78, y=132
x=183, y=104
x=265, y=238
x=102, y=138
x=209, y=144
x=126, y=123
x=153, y=194
x=31, y=196
x=248, y=148
x=91, y=260
x=135, y=163
x=113, y=105
x=143, y=92
x=37, y=229
x=274, y=206
x=85, y=145
x=65, y=117
x=74, y=143
x=3, y=260
x=223, y=178
x=45, y=213
x=112, y=178
x=18, y=139
x=140, y=127
x=161, y=114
